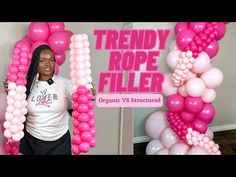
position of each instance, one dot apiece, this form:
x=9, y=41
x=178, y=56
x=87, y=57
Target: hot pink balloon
x=221, y=27
x=193, y=104
x=188, y=117
x=37, y=44
x=197, y=26
x=199, y=125
x=184, y=38
x=180, y=26
x=38, y=31
x=59, y=42
x=212, y=49
x=60, y=59
x=207, y=114
x=56, y=26
x=175, y=103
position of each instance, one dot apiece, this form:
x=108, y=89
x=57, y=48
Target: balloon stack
x=189, y=91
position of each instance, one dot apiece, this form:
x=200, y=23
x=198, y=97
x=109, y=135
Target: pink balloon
x=92, y=142
x=153, y=146
x=162, y=151
x=75, y=114
x=82, y=99
x=75, y=149
x=82, y=90
x=201, y=64
x=91, y=114
x=13, y=69
x=60, y=59
x=184, y=37
x=82, y=108
x=83, y=117
x=212, y=49
x=167, y=86
x=182, y=91
x=175, y=103
x=199, y=125
x=12, y=77
x=221, y=27
x=197, y=26
x=155, y=124
x=56, y=26
x=207, y=114
x=188, y=117
x=84, y=147
x=173, y=58
x=193, y=104
x=168, y=137
x=180, y=26
x=56, y=69
x=38, y=31
x=59, y=42
x=92, y=123
x=86, y=136
x=83, y=126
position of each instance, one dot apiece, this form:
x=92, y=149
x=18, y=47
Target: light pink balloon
x=201, y=64
x=153, y=146
x=182, y=91
x=179, y=149
x=155, y=124
x=38, y=31
x=196, y=150
x=172, y=59
x=195, y=87
x=190, y=75
x=212, y=78
x=163, y=151
x=56, y=26
x=209, y=133
x=167, y=86
x=168, y=137
x=208, y=95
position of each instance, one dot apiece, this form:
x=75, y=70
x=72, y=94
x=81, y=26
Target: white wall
x=108, y=123
x=225, y=94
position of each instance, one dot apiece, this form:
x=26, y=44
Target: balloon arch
x=189, y=89
x=14, y=105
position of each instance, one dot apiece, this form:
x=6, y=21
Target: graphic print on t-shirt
x=44, y=99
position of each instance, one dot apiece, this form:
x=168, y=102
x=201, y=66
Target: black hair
x=33, y=69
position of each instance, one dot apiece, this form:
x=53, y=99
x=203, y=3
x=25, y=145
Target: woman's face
x=46, y=63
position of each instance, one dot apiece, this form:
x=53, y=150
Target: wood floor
x=225, y=139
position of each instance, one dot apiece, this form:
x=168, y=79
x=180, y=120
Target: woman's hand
x=5, y=84
x=93, y=90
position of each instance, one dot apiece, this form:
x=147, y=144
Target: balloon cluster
x=190, y=88
x=83, y=114
x=38, y=33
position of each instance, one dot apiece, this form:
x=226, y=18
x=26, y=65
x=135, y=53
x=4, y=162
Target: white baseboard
x=143, y=139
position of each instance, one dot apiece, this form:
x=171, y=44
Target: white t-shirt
x=47, y=109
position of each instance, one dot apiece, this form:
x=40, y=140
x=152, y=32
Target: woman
x=46, y=127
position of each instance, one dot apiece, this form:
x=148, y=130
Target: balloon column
x=189, y=91
x=83, y=115
x=38, y=33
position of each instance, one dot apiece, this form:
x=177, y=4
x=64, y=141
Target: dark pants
x=30, y=145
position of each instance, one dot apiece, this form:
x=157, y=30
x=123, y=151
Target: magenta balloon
x=184, y=38
x=56, y=26
x=197, y=27
x=60, y=59
x=38, y=31
x=221, y=28
x=207, y=114
x=180, y=26
x=37, y=44
x=193, y=104
x=199, y=125
x=212, y=49
x=175, y=103
x=59, y=42
x=185, y=116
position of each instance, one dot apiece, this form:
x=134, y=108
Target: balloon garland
x=38, y=33
x=83, y=114
x=189, y=91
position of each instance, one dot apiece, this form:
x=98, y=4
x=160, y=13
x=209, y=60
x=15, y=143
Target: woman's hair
x=33, y=69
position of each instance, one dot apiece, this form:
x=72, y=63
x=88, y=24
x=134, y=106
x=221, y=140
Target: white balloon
x=195, y=87
x=172, y=59
x=155, y=124
x=179, y=149
x=167, y=86
x=168, y=137
x=208, y=95
x=201, y=64
x=182, y=91
x=196, y=150
x=153, y=146
x=163, y=151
